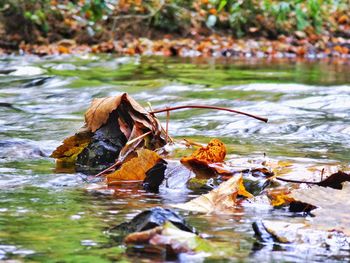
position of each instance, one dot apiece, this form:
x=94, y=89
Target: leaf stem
x=138, y=138
x=167, y=126
x=208, y=107
x=109, y=169
x=296, y=181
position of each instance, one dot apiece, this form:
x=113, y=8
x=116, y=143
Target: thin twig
x=167, y=126
x=138, y=138
x=109, y=168
x=150, y=106
x=192, y=143
x=119, y=162
x=209, y=107
x=295, y=181
x=161, y=127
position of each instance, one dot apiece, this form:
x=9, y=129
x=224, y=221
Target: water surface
x=53, y=217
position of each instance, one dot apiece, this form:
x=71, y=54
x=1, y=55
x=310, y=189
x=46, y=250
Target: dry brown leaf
x=100, y=108
x=136, y=168
x=214, y=152
x=143, y=236
x=109, y=115
x=99, y=111
x=72, y=147
x=221, y=199
x=171, y=240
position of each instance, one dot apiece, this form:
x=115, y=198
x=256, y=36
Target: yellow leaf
x=242, y=191
x=136, y=168
x=280, y=196
x=72, y=147
x=222, y=199
x=214, y=152
x=280, y=167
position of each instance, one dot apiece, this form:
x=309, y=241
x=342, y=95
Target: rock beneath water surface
x=152, y=218
x=104, y=147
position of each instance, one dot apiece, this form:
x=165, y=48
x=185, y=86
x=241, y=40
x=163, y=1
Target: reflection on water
x=44, y=215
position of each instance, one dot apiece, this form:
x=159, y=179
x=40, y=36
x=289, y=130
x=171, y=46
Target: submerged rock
x=167, y=175
x=37, y=82
x=20, y=149
x=152, y=218
x=104, y=148
x=155, y=176
x=169, y=241
x=110, y=123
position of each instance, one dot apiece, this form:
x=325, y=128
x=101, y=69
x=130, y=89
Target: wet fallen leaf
x=100, y=108
x=206, y=161
x=221, y=200
x=172, y=238
x=117, y=125
x=301, y=234
x=335, y=180
x=181, y=241
x=214, y=152
x=279, y=196
x=333, y=210
x=282, y=197
x=136, y=168
x=72, y=147
x=221, y=168
x=143, y=236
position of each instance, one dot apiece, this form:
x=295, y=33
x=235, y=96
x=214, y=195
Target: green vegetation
x=53, y=19
x=274, y=17
x=90, y=21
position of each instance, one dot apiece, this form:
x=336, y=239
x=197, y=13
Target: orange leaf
x=212, y=11
x=343, y=19
x=214, y=152
x=136, y=168
x=63, y=50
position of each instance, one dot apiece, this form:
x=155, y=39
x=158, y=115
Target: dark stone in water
x=104, y=147
x=37, y=82
x=6, y=71
x=261, y=233
x=155, y=177
x=166, y=176
x=19, y=149
x=152, y=218
x=8, y=105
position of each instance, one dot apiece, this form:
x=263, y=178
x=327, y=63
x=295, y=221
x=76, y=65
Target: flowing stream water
x=52, y=216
